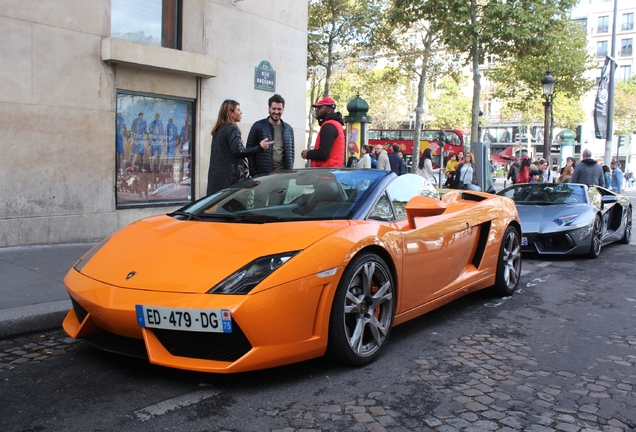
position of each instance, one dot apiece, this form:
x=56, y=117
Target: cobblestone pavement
x=482, y=382
x=487, y=381
x=34, y=347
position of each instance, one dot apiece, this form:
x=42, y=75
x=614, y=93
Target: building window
x=603, y=24
x=626, y=47
x=601, y=49
x=583, y=23
x=628, y=21
x=153, y=148
x=624, y=73
x=149, y=22
x=599, y=72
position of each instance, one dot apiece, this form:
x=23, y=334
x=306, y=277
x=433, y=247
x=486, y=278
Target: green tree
x=336, y=30
x=475, y=28
x=625, y=107
x=385, y=90
x=451, y=108
x=517, y=80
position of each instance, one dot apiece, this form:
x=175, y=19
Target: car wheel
x=597, y=238
x=362, y=312
x=509, y=263
x=627, y=234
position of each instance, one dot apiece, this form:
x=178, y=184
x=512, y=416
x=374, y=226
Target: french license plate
x=200, y=320
x=524, y=241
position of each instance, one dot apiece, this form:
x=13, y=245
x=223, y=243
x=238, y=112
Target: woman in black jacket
x=227, y=154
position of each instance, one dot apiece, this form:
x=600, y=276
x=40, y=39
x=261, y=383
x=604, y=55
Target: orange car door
x=434, y=258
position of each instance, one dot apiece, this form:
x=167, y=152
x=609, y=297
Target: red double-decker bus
x=429, y=138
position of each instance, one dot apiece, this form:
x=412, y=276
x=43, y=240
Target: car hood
x=540, y=218
x=172, y=255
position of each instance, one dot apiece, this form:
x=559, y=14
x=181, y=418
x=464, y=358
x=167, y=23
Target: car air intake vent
x=80, y=312
x=205, y=345
x=471, y=197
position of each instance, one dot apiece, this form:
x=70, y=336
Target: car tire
x=362, y=312
x=597, y=238
x=627, y=234
x=509, y=263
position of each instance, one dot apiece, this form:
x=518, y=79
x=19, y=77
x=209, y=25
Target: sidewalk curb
x=34, y=318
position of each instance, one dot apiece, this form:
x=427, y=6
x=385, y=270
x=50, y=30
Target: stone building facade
x=66, y=82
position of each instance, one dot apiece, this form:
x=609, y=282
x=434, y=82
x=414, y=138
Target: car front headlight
x=566, y=220
x=86, y=258
x=247, y=277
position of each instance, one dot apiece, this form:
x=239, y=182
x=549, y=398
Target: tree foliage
x=336, y=30
x=385, y=90
x=474, y=28
x=625, y=107
x=450, y=109
x=517, y=80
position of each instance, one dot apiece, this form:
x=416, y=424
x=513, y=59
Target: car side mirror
x=608, y=199
x=423, y=206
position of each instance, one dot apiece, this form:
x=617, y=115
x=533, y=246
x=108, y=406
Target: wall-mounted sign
x=265, y=77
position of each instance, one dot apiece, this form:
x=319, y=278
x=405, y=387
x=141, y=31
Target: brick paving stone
x=377, y=411
x=355, y=409
x=588, y=417
x=564, y=410
x=595, y=387
x=591, y=409
x=375, y=427
x=363, y=417
x=432, y=422
x=386, y=421
x=617, y=423
x=599, y=395
x=458, y=423
x=512, y=422
x=475, y=406
x=566, y=418
x=493, y=415
x=567, y=427
x=538, y=428
x=543, y=403
x=484, y=388
x=486, y=400
x=330, y=408
x=545, y=397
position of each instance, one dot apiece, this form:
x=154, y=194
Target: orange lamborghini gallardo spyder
x=289, y=267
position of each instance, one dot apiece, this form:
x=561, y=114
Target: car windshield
x=295, y=195
x=545, y=193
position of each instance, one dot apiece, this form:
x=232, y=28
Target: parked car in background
x=570, y=218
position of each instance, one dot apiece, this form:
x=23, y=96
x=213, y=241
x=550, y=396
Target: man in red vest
x=329, y=150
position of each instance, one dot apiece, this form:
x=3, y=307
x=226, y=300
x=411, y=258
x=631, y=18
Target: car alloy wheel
x=363, y=311
x=627, y=234
x=597, y=238
x=509, y=264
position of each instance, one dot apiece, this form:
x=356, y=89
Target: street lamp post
x=548, y=90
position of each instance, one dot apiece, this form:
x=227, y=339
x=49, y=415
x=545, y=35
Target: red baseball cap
x=325, y=101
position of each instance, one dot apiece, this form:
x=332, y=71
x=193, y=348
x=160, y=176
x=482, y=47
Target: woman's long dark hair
x=227, y=107
x=426, y=155
x=525, y=163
